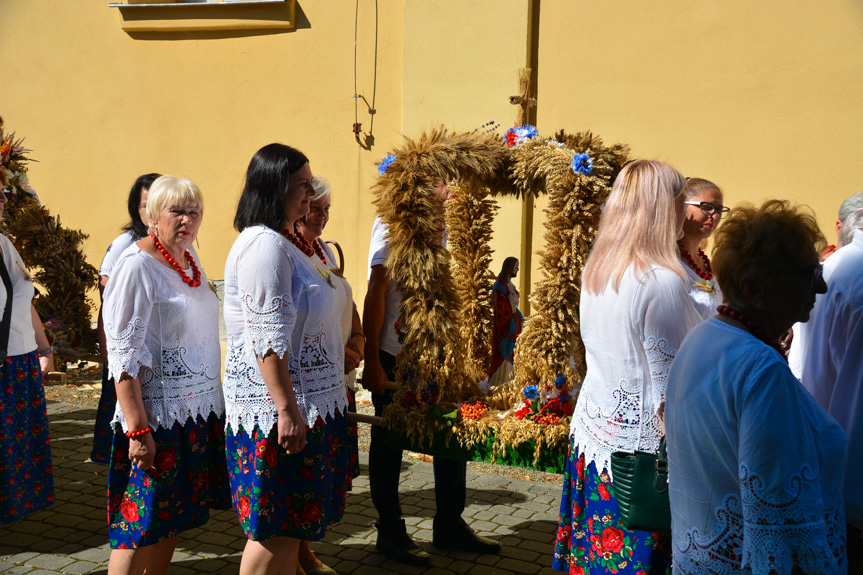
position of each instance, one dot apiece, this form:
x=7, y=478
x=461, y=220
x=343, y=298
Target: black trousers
x=385, y=467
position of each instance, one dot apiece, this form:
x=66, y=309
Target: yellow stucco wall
x=761, y=97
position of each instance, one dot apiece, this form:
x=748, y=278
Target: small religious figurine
x=507, y=323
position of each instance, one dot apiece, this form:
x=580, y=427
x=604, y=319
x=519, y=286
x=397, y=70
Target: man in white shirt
x=833, y=373
x=380, y=313
x=797, y=352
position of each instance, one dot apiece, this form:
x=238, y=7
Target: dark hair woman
x=284, y=370
x=755, y=464
x=132, y=232
x=507, y=323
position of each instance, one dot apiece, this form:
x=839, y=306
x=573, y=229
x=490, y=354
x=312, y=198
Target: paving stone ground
x=71, y=537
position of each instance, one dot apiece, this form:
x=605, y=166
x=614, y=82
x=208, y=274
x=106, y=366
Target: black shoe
x=403, y=549
x=463, y=538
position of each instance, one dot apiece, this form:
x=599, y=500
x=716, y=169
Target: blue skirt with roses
x=103, y=434
x=297, y=495
x=591, y=538
x=26, y=475
x=189, y=477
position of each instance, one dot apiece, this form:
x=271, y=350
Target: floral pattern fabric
x=353, y=441
x=189, y=477
x=280, y=495
x=26, y=472
x=103, y=434
x=591, y=538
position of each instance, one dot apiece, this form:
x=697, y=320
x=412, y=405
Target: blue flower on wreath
x=531, y=392
x=560, y=381
x=518, y=134
x=581, y=164
x=385, y=164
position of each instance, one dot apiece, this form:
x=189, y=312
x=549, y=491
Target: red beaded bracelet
x=137, y=434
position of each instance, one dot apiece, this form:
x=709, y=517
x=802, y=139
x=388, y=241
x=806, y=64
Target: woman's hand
x=352, y=359
x=46, y=364
x=358, y=345
x=291, y=431
x=142, y=451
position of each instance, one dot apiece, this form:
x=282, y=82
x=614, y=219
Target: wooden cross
x=523, y=100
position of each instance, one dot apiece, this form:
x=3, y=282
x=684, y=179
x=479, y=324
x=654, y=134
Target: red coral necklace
x=195, y=280
x=690, y=261
x=753, y=327
x=304, y=246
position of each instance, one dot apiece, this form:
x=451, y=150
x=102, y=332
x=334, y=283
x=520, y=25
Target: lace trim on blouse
x=766, y=532
x=266, y=326
x=627, y=421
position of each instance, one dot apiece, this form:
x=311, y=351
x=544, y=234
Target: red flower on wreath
x=243, y=507
x=612, y=539
x=129, y=510
x=511, y=138
x=165, y=459
x=311, y=512
x=603, y=492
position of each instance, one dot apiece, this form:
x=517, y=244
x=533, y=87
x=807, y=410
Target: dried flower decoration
x=582, y=164
x=385, y=164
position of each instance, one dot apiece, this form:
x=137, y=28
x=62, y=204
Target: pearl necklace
x=703, y=274
x=303, y=245
x=753, y=327
x=195, y=280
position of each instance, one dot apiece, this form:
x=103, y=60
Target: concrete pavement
x=71, y=537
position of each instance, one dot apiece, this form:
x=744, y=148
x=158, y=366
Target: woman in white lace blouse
x=755, y=464
x=168, y=465
x=704, y=211
x=284, y=372
x=634, y=313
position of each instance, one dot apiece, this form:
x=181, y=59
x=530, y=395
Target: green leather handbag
x=640, y=483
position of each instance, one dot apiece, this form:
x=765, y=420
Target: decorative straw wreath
x=445, y=312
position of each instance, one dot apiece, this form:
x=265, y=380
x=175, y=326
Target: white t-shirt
x=167, y=334
x=120, y=244
x=630, y=337
x=833, y=371
x=379, y=251
x=755, y=464
x=22, y=338
x=277, y=298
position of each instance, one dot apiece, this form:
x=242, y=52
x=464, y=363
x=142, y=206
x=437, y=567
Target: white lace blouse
x=755, y=464
x=630, y=337
x=278, y=298
x=166, y=334
x=705, y=295
x=347, y=318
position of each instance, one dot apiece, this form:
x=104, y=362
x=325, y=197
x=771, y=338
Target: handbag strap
x=6, y=322
x=660, y=478
x=341, y=256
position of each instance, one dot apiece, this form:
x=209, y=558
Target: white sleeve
x=664, y=314
x=785, y=514
x=126, y=311
x=264, y=285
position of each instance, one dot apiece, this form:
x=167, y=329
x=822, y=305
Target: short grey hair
x=322, y=189
x=851, y=224
x=852, y=204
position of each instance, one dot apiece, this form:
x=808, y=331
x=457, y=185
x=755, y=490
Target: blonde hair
x=694, y=186
x=172, y=190
x=639, y=225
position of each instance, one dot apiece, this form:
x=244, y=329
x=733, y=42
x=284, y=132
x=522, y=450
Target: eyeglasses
x=815, y=273
x=709, y=209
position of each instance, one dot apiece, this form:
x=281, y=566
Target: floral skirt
x=26, y=474
x=281, y=495
x=590, y=537
x=103, y=434
x=353, y=441
x=188, y=479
